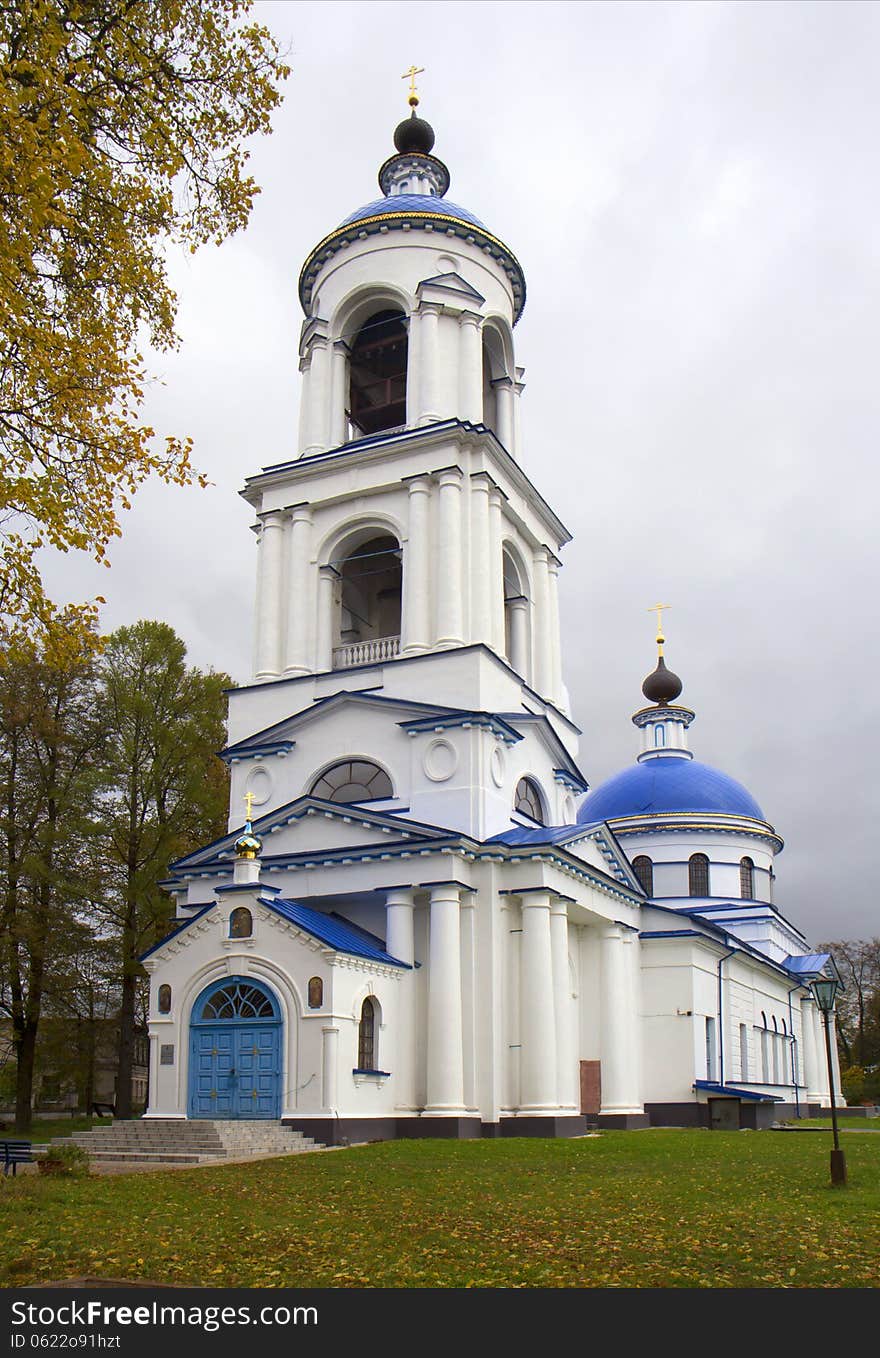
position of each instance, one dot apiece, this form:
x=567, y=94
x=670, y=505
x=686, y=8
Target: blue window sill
x=385, y=1074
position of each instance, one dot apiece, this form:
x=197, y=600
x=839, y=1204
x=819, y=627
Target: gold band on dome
x=408, y=216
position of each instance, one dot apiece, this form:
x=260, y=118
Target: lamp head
x=825, y=993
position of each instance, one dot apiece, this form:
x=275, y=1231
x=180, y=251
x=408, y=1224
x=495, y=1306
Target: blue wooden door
x=235, y=1064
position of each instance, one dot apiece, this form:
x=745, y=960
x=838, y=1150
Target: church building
x=421, y=921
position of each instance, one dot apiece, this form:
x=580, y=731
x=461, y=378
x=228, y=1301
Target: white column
x=399, y=924
x=468, y=999
x=329, y=1068
x=400, y=943
x=835, y=1064
x=269, y=602
x=537, y=1017
x=339, y=398
x=296, y=660
x=810, y=1072
x=615, y=999
x=448, y=573
x=303, y=435
x=518, y=388
x=519, y=635
x=481, y=558
x=327, y=578
x=470, y=367
x=566, y=1070
x=496, y=570
x=429, y=356
x=541, y=623
x=319, y=396
x=821, y=1058
x=503, y=387
x=553, y=628
x=416, y=624
x=445, y=1063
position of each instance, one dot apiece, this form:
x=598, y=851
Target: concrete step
x=171, y=1141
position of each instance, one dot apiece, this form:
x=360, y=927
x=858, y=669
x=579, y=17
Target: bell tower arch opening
x=378, y=373
x=370, y=599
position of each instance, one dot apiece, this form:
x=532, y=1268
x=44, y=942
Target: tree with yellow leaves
x=122, y=125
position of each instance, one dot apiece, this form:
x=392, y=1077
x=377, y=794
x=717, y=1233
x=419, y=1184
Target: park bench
x=15, y=1153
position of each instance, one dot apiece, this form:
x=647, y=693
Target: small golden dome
x=248, y=845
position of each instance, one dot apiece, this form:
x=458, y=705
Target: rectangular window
x=743, y=1052
x=711, y=1061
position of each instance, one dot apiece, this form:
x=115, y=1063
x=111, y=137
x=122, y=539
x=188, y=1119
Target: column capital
x=542, y=554
x=449, y=476
x=470, y=318
x=272, y=518
x=400, y=895
x=329, y=572
x=483, y=481
x=301, y=513
x=503, y=383
x=429, y=308
x=496, y=497
x=419, y=484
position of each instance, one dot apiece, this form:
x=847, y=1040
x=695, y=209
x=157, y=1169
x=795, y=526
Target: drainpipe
x=721, y=962
x=797, y=1102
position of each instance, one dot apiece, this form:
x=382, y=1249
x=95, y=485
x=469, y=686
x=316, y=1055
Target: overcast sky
x=693, y=192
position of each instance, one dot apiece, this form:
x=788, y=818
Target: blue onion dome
x=668, y=786
x=662, y=686
x=414, y=184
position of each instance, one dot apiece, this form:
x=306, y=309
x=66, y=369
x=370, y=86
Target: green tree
x=858, y=1005
x=167, y=792
x=50, y=748
x=122, y=125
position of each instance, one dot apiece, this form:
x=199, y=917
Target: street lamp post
x=825, y=993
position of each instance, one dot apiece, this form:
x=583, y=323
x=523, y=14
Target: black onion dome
x=414, y=134
x=662, y=686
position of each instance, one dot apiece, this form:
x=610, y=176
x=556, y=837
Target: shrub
x=70, y=1161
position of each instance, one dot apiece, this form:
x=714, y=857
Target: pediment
x=281, y=737
x=452, y=283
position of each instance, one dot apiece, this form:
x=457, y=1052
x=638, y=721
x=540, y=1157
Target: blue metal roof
x=669, y=785
x=541, y=834
x=810, y=964
x=417, y=203
x=711, y=1088
x=336, y=932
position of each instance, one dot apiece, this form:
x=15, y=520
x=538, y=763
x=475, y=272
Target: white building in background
x=425, y=928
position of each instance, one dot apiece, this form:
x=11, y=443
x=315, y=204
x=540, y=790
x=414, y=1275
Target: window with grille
x=238, y=1001
x=746, y=879
x=698, y=875
x=366, y=1037
x=644, y=870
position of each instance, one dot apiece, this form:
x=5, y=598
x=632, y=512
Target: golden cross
x=249, y=803
x=658, y=609
x=410, y=75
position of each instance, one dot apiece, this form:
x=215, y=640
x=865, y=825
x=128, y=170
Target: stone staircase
x=171, y=1141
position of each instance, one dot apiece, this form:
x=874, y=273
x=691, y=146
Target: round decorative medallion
x=440, y=761
x=447, y=264
x=496, y=766
x=259, y=782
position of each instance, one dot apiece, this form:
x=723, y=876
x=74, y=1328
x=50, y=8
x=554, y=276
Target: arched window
x=698, y=875
x=366, y=1036
x=353, y=780
x=316, y=992
x=528, y=800
x=377, y=389
x=164, y=999
x=370, y=598
x=644, y=870
x=659, y=736
x=241, y=923
x=746, y=879
x=516, y=616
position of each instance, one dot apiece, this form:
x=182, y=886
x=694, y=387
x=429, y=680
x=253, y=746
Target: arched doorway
x=235, y=1051
x=371, y=590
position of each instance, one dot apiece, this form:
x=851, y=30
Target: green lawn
x=43, y=1129
x=852, y=1124
x=637, y=1209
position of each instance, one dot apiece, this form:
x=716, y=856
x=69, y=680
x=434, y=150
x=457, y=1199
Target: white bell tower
x=404, y=525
